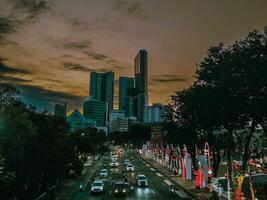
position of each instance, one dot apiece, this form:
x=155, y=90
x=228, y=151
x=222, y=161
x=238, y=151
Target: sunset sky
x=49, y=47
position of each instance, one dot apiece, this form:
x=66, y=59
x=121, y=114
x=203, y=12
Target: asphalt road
x=158, y=184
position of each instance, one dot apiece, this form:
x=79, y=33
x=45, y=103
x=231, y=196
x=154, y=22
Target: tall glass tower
x=125, y=83
x=141, y=80
x=102, y=87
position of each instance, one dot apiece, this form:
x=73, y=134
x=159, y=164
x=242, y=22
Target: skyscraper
x=102, y=87
x=61, y=110
x=141, y=79
x=124, y=84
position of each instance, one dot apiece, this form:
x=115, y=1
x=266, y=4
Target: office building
x=125, y=83
x=61, y=110
x=119, y=125
x=152, y=114
x=141, y=82
x=118, y=122
x=130, y=101
x=96, y=110
x=116, y=114
x=102, y=87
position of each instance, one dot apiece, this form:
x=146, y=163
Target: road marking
x=181, y=194
x=167, y=182
x=152, y=169
x=160, y=175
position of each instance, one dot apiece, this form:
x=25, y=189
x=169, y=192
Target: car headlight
x=116, y=191
x=123, y=190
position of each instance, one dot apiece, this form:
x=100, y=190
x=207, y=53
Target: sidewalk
x=187, y=185
x=72, y=187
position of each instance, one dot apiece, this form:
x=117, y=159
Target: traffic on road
x=123, y=174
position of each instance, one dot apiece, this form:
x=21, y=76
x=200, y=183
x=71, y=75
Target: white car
x=103, y=173
x=114, y=164
x=142, y=180
x=129, y=168
x=126, y=162
x=114, y=158
x=97, y=186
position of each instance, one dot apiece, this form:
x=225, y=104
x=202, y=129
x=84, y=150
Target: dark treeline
x=137, y=135
x=229, y=91
x=37, y=151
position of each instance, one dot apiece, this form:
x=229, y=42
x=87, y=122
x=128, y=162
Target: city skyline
x=49, y=48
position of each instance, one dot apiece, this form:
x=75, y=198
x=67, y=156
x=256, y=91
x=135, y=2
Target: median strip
x=167, y=182
x=160, y=175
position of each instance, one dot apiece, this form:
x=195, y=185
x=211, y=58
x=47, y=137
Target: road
x=158, y=184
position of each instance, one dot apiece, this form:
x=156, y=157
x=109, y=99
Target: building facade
x=118, y=122
x=78, y=121
x=141, y=82
x=102, y=87
x=152, y=114
x=61, y=110
x=125, y=83
x=97, y=111
x=119, y=125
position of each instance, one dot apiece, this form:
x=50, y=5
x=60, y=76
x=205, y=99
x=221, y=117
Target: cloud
x=4, y=69
x=6, y=26
x=111, y=63
x=96, y=56
x=13, y=79
x=169, y=78
x=76, y=67
x=69, y=45
x=34, y=7
x=77, y=45
x=130, y=9
x=43, y=98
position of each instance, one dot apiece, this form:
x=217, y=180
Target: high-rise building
x=125, y=83
x=96, y=110
x=141, y=80
x=61, y=110
x=140, y=71
x=130, y=103
x=102, y=87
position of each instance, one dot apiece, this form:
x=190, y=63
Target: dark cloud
x=129, y=9
x=4, y=69
x=34, y=7
x=97, y=56
x=111, y=63
x=6, y=26
x=169, y=78
x=12, y=79
x=76, y=67
x=77, y=45
x=43, y=98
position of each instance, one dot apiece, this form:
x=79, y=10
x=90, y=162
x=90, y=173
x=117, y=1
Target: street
x=158, y=184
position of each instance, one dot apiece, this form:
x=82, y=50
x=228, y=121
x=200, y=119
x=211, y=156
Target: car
x=129, y=168
x=142, y=180
x=120, y=188
x=97, y=186
x=114, y=158
x=114, y=164
x=103, y=173
x=126, y=162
